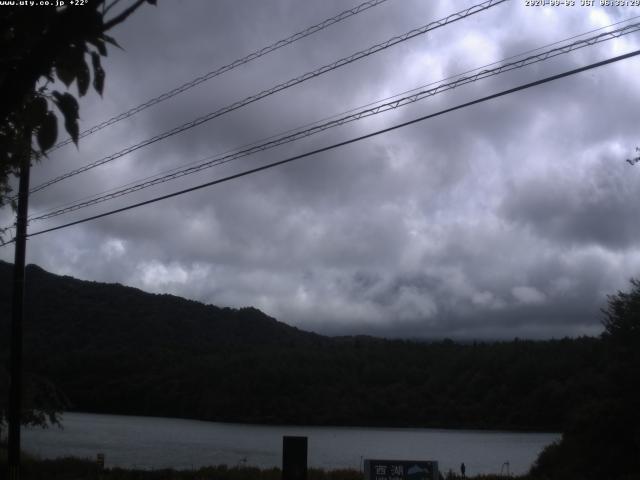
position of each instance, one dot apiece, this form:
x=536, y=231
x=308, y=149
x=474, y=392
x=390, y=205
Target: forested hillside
x=116, y=349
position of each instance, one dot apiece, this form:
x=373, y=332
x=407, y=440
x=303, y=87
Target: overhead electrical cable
x=92, y=197
x=282, y=86
x=346, y=142
x=325, y=119
x=290, y=137
x=230, y=66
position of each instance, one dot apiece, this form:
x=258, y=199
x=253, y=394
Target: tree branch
x=110, y=6
x=123, y=16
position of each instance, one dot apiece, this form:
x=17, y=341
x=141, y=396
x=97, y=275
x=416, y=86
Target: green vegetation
x=602, y=436
x=79, y=469
x=113, y=349
x=38, y=47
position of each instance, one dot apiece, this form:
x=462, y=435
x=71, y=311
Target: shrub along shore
x=85, y=469
x=74, y=469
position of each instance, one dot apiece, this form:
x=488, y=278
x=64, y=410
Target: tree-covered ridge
x=116, y=349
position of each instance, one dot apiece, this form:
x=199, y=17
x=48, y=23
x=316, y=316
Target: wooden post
x=294, y=458
x=17, y=314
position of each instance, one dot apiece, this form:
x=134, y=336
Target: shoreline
x=75, y=468
x=469, y=429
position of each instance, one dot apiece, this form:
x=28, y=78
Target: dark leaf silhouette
x=83, y=78
x=48, y=132
x=99, y=44
x=73, y=129
x=70, y=63
x=68, y=106
x=65, y=74
x=98, y=73
x=112, y=41
x=36, y=111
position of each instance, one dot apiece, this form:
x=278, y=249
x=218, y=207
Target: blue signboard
x=400, y=470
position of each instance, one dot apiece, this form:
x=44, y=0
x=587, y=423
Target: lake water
x=154, y=443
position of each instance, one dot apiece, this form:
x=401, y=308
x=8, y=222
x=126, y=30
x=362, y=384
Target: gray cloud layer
x=510, y=218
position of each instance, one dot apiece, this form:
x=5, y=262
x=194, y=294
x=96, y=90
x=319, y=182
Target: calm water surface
x=153, y=443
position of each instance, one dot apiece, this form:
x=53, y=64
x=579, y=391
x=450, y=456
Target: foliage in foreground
x=79, y=469
x=149, y=352
x=37, y=47
x=602, y=438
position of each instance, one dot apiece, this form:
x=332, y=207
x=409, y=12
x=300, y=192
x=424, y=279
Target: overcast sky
x=515, y=217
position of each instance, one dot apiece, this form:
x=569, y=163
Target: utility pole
x=17, y=313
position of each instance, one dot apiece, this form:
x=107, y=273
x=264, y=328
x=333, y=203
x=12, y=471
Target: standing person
x=463, y=470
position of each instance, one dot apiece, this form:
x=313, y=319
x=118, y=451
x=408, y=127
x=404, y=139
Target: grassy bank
x=81, y=469
x=85, y=469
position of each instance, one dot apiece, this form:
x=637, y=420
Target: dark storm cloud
x=597, y=208
x=510, y=218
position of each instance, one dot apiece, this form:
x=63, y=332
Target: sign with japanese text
x=400, y=470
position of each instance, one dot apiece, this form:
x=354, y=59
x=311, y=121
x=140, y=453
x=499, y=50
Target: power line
x=219, y=71
x=325, y=119
x=346, y=142
x=156, y=178
x=282, y=86
x=401, y=102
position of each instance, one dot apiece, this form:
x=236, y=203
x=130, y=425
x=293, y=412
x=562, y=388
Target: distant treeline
x=115, y=349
